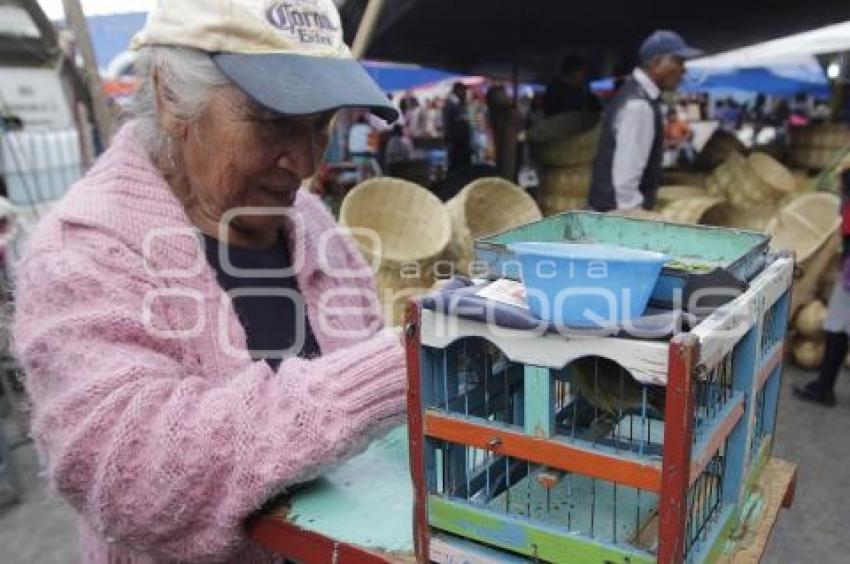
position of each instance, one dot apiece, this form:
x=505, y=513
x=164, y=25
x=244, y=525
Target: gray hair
x=189, y=77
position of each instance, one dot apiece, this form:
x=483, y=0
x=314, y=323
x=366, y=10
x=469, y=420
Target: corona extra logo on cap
x=305, y=21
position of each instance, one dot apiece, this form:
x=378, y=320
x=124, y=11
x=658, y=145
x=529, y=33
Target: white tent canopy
x=54, y=11
x=798, y=50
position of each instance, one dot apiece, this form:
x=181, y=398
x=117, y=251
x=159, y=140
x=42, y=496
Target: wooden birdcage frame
x=695, y=513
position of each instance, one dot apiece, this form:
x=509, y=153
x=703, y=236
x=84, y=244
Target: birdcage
x=575, y=448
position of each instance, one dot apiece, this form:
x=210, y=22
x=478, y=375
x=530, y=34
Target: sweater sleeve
x=161, y=459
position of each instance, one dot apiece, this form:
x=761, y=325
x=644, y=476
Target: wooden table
x=776, y=487
x=361, y=513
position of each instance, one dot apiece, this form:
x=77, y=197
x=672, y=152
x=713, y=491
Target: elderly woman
x=196, y=334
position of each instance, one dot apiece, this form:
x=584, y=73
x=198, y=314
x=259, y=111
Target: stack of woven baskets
x=403, y=230
x=810, y=227
x=720, y=146
x=484, y=207
x=687, y=204
x=815, y=147
x=754, y=187
x=564, y=148
x=411, y=238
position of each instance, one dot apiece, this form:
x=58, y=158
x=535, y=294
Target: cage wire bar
x=569, y=502
x=705, y=500
x=772, y=331
x=474, y=379
x=714, y=390
x=596, y=401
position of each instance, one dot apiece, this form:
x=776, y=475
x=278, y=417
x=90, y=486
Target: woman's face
x=238, y=154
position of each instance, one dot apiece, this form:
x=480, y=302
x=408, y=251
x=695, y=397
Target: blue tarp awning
x=393, y=77
x=747, y=80
x=752, y=80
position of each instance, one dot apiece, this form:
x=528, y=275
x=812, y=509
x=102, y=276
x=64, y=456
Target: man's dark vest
x=602, y=196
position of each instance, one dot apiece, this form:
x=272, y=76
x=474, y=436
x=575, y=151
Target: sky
x=54, y=11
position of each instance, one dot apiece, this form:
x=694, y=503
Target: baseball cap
x=666, y=42
x=288, y=55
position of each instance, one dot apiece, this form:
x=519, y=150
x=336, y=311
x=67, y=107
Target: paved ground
x=41, y=530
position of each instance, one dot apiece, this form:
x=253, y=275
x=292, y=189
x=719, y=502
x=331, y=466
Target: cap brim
x=301, y=84
x=688, y=53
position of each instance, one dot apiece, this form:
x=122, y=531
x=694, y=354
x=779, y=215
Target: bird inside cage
x=610, y=388
x=478, y=359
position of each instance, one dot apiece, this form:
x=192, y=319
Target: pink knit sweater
x=150, y=418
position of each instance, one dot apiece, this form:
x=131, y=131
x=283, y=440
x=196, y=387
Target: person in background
x=482, y=147
x=678, y=137
x=822, y=113
x=408, y=101
x=362, y=146
x=399, y=147
x=457, y=129
x=534, y=113
x=412, y=107
x=434, y=119
x=718, y=110
x=781, y=113
x=504, y=122
x=799, y=110
x=417, y=124
x=836, y=326
x=569, y=91
x=757, y=115
x=627, y=169
x=731, y=115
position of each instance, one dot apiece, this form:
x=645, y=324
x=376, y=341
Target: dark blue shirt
x=271, y=309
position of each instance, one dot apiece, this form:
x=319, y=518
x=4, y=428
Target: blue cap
x=312, y=84
x=666, y=42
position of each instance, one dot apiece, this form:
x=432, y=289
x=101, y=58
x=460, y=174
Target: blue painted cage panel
x=596, y=404
x=599, y=406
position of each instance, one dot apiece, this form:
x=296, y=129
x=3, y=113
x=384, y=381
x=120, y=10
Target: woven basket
x=756, y=181
x=830, y=135
x=725, y=174
x=576, y=151
x=809, y=226
x=690, y=210
x=638, y=213
x=803, y=182
x=808, y=353
x=726, y=214
x=805, y=224
x=669, y=194
x=484, y=207
x=552, y=204
x=815, y=147
x=772, y=173
x=717, y=149
x=684, y=178
x=413, y=231
x=813, y=158
x=563, y=189
x=566, y=140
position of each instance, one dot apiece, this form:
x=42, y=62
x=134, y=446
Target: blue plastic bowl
x=587, y=285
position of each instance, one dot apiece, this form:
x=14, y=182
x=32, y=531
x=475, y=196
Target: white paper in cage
x=505, y=291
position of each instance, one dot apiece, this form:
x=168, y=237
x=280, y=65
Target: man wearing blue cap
x=627, y=170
